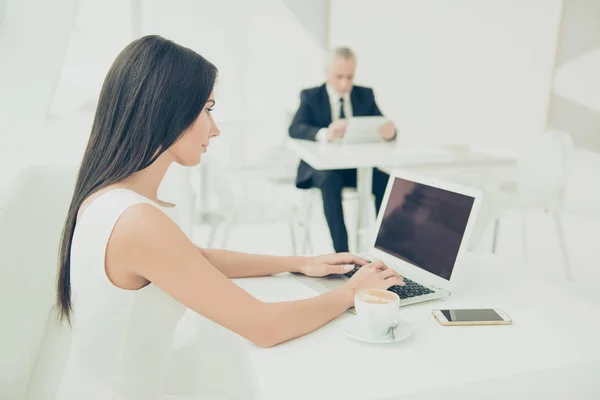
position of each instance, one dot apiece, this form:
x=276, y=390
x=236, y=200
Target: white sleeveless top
x=121, y=338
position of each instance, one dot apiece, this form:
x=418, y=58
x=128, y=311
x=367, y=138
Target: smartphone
x=483, y=316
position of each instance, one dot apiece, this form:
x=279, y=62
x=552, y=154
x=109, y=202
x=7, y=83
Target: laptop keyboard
x=411, y=288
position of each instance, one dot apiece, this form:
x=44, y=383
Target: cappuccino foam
x=379, y=297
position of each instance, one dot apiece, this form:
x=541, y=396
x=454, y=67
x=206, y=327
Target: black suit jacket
x=314, y=113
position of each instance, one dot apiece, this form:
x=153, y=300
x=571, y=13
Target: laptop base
x=329, y=283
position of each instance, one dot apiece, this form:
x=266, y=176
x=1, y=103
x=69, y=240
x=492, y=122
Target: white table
x=386, y=156
x=550, y=350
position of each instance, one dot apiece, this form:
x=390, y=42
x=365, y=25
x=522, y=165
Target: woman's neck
x=147, y=181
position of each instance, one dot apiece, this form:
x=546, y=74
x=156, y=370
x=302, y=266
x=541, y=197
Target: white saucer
x=353, y=328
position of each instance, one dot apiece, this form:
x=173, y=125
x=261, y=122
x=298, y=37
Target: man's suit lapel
x=357, y=109
x=325, y=106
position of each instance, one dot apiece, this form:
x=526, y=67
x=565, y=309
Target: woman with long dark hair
x=126, y=270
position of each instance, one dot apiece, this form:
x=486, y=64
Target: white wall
x=2, y=10
x=101, y=30
x=461, y=71
x=579, y=81
x=264, y=56
x=33, y=40
x=576, y=95
x=313, y=15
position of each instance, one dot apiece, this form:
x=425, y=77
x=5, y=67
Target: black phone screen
x=471, y=315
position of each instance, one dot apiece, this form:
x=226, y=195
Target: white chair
x=539, y=184
x=247, y=197
x=310, y=198
x=33, y=345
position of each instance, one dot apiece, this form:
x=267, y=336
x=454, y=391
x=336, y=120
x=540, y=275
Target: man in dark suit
x=322, y=117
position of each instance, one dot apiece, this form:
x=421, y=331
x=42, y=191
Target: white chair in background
x=539, y=184
x=247, y=197
x=310, y=199
x=581, y=197
x=33, y=345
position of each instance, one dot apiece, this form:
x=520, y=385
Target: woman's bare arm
x=146, y=243
x=242, y=265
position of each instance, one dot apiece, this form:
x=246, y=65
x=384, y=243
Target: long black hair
x=153, y=92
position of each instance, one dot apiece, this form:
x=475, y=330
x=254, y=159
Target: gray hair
x=344, y=52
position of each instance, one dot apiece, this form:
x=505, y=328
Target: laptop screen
x=424, y=225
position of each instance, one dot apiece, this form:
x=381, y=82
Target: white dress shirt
x=334, y=103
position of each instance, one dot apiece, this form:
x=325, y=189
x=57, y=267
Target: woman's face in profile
x=188, y=150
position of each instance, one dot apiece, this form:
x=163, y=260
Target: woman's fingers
x=379, y=265
x=390, y=273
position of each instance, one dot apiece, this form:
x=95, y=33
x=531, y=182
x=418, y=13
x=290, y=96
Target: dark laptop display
x=424, y=225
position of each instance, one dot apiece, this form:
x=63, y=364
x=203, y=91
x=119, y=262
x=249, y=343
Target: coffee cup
x=378, y=310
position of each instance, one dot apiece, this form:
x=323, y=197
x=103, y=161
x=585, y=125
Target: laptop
x=422, y=229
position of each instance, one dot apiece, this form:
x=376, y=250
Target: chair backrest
x=542, y=170
x=33, y=208
x=240, y=190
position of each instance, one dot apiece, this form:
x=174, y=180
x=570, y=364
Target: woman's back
x=121, y=338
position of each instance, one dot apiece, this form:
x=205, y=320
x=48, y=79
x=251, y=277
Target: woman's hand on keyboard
x=331, y=264
x=376, y=275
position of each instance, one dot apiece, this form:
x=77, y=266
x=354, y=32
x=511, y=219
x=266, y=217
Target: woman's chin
x=190, y=163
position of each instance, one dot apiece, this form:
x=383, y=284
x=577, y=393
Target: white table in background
x=551, y=351
x=386, y=156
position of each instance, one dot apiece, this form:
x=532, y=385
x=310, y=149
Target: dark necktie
x=342, y=114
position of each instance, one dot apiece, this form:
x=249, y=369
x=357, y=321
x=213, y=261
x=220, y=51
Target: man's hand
x=388, y=131
x=337, y=129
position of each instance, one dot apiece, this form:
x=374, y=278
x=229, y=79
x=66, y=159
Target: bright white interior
x=466, y=72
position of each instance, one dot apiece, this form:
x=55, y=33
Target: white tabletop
x=552, y=334
x=326, y=156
